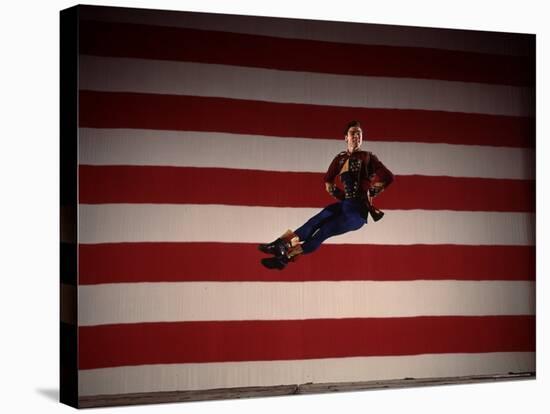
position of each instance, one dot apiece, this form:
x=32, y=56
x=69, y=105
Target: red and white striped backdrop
x=204, y=135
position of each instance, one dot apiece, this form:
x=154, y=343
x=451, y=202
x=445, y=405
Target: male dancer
x=363, y=177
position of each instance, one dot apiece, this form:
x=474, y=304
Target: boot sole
x=270, y=264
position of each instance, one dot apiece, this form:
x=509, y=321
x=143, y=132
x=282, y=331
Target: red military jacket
x=372, y=175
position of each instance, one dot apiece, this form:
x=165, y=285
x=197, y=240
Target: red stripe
x=182, y=44
x=175, y=262
x=192, y=113
x=180, y=185
x=192, y=342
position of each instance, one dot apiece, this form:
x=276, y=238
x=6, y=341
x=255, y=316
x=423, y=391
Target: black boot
x=278, y=263
x=276, y=248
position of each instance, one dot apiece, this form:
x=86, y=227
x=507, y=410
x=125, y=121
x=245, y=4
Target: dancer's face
x=354, y=138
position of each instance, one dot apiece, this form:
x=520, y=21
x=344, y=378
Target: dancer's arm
x=381, y=177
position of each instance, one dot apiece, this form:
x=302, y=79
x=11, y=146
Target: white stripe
x=222, y=150
x=187, y=78
x=204, y=376
x=111, y=223
x=214, y=301
x=344, y=32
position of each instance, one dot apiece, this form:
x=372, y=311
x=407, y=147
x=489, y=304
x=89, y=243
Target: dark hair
x=351, y=125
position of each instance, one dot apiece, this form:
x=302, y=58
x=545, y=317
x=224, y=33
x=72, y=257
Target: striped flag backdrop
x=202, y=135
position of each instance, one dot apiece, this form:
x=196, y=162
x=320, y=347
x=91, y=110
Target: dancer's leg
x=314, y=223
x=350, y=219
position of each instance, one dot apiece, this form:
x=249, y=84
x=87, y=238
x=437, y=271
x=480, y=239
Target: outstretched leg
x=338, y=218
x=280, y=246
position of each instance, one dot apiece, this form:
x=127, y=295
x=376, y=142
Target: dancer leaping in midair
x=363, y=177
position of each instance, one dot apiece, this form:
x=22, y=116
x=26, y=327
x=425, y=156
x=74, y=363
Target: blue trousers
x=335, y=219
